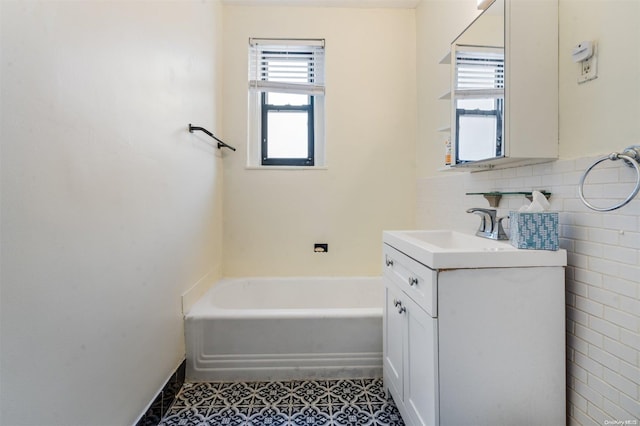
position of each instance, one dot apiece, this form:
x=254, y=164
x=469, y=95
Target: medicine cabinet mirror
x=504, y=90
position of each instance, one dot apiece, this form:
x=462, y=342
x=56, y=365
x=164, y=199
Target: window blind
x=480, y=72
x=286, y=66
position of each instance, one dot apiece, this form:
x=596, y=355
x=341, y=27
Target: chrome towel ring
x=631, y=157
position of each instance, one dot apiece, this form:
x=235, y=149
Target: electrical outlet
x=588, y=70
x=321, y=247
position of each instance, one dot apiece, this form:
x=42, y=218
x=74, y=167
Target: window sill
x=286, y=168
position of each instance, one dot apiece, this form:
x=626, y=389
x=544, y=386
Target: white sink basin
x=440, y=249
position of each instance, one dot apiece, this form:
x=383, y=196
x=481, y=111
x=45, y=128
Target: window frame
x=497, y=112
x=259, y=108
x=286, y=161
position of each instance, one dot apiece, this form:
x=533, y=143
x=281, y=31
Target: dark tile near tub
x=160, y=406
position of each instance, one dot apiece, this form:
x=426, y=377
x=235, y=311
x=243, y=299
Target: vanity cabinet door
x=421, y=378
x=393, y=337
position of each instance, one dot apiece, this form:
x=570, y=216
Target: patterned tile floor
x=351, y=402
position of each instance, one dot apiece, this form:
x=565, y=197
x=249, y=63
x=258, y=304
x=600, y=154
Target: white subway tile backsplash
x=631, y=339
x=610, y=362
x=577, y=316
x=603, y=388
x=589, y=248
x=622, y=383
x=577, y=344
x=580, y=418
x=571, y=178
x=631, y=372
x=604, y=236
x=588, y=393
x=574, y=232
x=590, y=306
x=615, y=412
x=603, y=266
x=602, y=276
x=584, y=219
x=627, y=174
x=578, y=260
x=589, y=364
x=621, y=254
x=618, y=191
x=624, y=352
x=620, y=222
x=588, y=277
x=629, y=272
x=602, y=175
x=629, y=239
x=589, y=336
x=575, y=287
x=632, y=406
x=629, y=305
x=624, y=287
x=604, y=296
x=623, y=319
x=604, y=327
x=579, y=373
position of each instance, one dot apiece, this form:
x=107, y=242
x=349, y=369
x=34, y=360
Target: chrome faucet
x=490, y=225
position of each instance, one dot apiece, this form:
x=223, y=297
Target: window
x=479, y=92
x=286, y=102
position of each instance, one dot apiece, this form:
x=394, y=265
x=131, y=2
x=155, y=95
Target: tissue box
x=536, y=231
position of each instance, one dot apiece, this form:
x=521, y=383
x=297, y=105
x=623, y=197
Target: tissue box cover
x=536, y=231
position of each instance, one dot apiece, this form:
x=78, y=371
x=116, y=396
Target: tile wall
x=602, y=277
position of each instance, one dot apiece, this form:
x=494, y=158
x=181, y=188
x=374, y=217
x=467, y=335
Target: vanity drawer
x=415, y=279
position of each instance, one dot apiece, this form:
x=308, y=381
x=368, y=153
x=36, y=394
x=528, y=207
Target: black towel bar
x=220, y=143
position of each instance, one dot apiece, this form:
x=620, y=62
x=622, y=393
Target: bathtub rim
x=203, y=308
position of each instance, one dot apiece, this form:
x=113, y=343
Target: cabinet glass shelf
x=493, y=197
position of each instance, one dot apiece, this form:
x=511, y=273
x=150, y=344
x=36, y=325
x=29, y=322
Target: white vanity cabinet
x=410, y=346
x=474, y=346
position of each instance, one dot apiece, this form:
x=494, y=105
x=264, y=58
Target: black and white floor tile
x=348, y=402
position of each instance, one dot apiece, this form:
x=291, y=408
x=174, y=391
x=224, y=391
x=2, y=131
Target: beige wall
x=273, y=217
x=110, y=208
x=438, y=23
x=602, y=115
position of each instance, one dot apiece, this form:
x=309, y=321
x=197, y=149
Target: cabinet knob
x=401, y=309
x=396, y=302
x=413, y=281
x=388, y=262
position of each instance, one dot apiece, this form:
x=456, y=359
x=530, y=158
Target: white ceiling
x=401, y=4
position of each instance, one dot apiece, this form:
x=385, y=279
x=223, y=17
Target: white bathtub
x=286, y=328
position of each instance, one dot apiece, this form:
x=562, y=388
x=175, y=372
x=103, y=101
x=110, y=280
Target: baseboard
x=163, y=400
x=264, y=367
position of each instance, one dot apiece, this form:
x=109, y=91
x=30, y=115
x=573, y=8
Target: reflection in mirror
x=478, y=88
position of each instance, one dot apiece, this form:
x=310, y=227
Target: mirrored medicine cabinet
x=504, y=86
